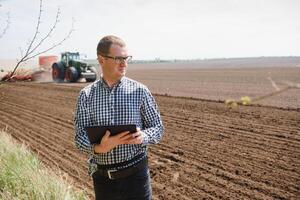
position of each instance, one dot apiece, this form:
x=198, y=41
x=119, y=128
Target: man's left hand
x=136, y=138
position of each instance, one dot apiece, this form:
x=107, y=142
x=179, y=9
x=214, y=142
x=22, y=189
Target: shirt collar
x=120, y=83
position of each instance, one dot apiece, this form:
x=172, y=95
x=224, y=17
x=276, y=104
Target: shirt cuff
x=145, y=139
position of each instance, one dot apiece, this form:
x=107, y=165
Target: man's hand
x=109, y=142
x=136, y=138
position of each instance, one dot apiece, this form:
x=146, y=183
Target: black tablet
x=95, y=133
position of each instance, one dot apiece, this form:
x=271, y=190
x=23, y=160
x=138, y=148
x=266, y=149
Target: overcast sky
x=166, y=29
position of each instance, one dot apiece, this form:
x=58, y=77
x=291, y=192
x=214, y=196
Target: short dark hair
x=106, y=42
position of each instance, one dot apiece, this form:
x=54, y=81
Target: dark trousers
x=134, y=187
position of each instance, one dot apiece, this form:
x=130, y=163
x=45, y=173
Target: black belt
x=123, y=173
x=125, y=163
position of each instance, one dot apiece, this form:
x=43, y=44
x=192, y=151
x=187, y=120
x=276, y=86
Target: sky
x=165, y=29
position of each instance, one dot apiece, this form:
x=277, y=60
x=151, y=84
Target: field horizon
x=280, y=61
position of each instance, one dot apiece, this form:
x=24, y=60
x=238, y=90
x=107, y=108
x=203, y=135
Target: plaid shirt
x=128, y=102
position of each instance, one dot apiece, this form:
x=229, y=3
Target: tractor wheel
x=71, y=74
x=58, y=72
x=93, y=69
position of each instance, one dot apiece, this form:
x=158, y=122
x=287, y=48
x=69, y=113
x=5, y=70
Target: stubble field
x=208, y=151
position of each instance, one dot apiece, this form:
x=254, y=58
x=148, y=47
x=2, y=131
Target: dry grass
x=23, y=176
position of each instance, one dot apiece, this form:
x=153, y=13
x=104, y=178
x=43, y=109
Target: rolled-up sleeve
x=152, y=123
x=81, y=120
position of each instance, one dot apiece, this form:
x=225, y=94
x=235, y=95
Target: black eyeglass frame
x=117, y=59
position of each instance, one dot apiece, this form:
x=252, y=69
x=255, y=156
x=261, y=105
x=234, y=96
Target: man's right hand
x=109, y=142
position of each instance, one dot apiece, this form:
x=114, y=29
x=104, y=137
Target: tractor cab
x=68, y=56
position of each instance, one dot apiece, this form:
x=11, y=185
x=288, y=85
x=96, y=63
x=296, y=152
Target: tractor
x=71, y=68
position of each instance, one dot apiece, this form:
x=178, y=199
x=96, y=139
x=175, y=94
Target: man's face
x=110, y=68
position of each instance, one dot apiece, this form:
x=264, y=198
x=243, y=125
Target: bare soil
x=209, y=151
x=217, y=83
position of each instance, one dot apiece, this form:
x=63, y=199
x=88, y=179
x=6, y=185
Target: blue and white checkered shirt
x=128, y=102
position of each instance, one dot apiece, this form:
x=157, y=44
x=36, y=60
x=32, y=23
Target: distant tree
x=34, y=45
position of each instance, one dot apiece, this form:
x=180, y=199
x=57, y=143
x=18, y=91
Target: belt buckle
x=109, y=173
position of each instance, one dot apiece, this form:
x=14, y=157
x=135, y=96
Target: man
x=118, y=164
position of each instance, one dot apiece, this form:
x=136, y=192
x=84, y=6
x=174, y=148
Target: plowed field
x=208, y=151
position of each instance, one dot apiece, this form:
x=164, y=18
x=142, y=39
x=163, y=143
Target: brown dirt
x=221, y=83
x=208, y=151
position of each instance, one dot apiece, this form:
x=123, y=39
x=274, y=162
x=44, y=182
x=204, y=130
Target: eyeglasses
x=119, y=59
